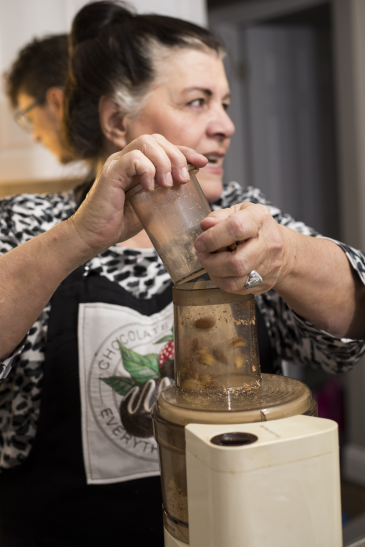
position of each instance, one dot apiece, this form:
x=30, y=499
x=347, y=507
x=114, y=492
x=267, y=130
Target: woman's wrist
x=30, y=273
x=72, y=246
x=62, y=250
x=290, y=248
x=319, y=284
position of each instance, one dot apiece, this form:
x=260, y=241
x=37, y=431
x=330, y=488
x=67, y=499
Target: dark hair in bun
x=114, y=52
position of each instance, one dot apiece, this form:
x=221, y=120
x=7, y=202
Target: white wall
x=191, y=10
x=22, y=20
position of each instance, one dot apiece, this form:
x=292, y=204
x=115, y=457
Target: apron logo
x=148, y=375
x=125, y=359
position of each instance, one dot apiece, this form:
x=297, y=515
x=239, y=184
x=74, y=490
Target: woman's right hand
x=32, y=271
x=103, y=220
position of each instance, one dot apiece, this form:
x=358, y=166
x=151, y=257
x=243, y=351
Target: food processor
x=244, y=460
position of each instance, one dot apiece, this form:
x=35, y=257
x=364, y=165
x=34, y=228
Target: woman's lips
x=213, y=168
x=215, y=161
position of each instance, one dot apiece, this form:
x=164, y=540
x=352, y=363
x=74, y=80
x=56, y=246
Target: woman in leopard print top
x=62, y=395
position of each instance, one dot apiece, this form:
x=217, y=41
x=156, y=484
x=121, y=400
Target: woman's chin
x=212, y=188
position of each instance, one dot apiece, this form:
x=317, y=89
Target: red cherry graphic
x=167, y=352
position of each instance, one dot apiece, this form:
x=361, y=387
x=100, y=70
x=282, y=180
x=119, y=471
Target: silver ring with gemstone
x=254, y=279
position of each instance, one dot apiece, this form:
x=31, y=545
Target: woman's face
x=188, y=106
x=45, y=122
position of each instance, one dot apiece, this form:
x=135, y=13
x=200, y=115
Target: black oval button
x=234, y=439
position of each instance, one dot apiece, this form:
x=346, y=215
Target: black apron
x=46, y=501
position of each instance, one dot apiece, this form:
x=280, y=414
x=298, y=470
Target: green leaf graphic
x=166, y=338
x=120, y=384
x=141, y=367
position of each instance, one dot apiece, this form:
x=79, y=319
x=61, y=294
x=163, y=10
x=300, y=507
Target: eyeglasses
x=21, y=117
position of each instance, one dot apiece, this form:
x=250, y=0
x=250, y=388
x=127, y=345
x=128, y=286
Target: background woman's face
x=188, y=106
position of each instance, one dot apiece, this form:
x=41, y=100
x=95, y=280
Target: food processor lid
x=138, y=188
x=277, y=397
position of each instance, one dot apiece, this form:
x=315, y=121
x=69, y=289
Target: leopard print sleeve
x=8, y=237
x=22, y=218
x=6, y=364
x=28, y=215
x=294, y=338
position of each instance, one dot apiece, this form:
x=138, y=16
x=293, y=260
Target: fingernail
x=185, y=173
x=168, y=179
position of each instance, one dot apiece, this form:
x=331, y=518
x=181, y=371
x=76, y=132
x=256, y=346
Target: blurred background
x=297, y=74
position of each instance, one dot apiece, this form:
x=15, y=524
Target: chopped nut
x=207, y=381
x=231, y=248
x=192, y=385
x=205, y=323
x=238, y=342
x=206, y=357
x=239, y=361
x=172, y=483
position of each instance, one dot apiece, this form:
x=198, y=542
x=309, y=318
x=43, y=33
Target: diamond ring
x=254, y=279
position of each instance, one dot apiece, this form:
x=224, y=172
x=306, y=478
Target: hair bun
x=92, y=18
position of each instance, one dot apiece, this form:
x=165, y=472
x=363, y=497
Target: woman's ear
x=112, y=122
x=54, y=99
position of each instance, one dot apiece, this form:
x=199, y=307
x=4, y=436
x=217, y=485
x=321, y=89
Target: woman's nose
x=221, y=124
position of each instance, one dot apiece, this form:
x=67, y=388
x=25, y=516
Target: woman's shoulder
x=26, y=215
x=234, y=193
x=37, y=202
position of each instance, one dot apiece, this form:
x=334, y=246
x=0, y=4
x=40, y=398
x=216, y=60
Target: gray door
x=285, y=119
x=291, y=125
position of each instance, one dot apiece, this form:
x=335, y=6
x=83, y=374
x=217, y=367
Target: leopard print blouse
x=141, y=272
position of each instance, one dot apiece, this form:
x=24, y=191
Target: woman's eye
x=225, y=106
x=196, y=102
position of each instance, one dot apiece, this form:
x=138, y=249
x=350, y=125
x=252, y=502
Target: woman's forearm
x=322, y=286
x=30, y=274
x=312, y=275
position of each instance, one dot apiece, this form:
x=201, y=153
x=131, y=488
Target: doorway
x=281, y=76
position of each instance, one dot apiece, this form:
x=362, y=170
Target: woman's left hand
x=262, y=245
x=312, y=275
